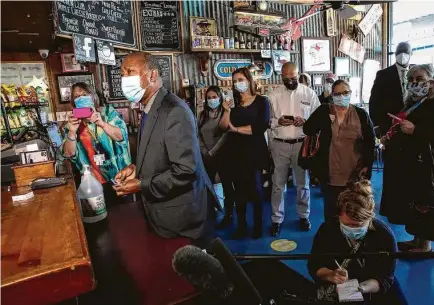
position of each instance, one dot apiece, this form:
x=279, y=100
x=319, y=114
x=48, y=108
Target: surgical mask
x=291, y=83
x=354, y=233
x=418, y=89
x=403, y=59
x=84, y=101
x=342, y=100
x=132, y=89
x=213, y=103
x=241, y=86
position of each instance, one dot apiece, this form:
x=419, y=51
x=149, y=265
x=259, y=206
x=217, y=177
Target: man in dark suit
x=388, y=91
x=177, y=193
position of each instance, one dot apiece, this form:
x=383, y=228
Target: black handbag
x=308, y=152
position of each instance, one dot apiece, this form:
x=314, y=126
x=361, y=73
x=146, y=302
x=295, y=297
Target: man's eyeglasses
x=344, y=93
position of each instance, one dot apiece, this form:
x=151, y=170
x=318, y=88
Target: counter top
x=44, y=254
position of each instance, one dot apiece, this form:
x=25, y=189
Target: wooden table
x=44, y=254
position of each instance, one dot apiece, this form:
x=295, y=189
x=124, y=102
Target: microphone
x=203, y=271
x=243, y=285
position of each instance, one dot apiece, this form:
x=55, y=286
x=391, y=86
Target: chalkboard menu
x=160, y=25
x=113, y=74
x=166, y=66
x=114, y=80
x=107, y=20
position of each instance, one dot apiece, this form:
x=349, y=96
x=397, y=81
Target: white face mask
x=403, y=59
x=132, y=89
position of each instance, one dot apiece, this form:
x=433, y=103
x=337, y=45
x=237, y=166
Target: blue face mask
x=213, y=103
x=342, y=100
x=84, y=102
x=354, y=233
x=241, y=86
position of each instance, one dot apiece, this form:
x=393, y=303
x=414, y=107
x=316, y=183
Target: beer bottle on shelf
x=242, y=42
x=249, y=44
x=236, y=41
x=268, y=44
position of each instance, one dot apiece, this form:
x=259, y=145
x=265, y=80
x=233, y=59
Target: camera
x=44, y=53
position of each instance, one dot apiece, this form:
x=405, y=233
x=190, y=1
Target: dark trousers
x=214, y=166
x=331, y=194
x=248, y=187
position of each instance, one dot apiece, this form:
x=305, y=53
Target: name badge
x=99, y=159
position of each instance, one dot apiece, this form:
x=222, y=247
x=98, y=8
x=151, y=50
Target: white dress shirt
x=301, y=102
x=402, y=72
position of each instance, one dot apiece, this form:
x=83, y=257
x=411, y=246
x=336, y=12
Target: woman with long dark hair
x=211, y=140
x=246, y=118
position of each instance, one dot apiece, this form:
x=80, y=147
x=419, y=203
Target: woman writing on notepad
x=356, y=231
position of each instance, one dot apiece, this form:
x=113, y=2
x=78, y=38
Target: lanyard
x=94, y=137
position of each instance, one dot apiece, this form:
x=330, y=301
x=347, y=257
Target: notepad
x=349, y=292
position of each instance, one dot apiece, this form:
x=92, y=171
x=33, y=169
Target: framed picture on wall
x=316, y=55
x=342, y=66
x=317, y=80
x=65, y=83
x=69, y=64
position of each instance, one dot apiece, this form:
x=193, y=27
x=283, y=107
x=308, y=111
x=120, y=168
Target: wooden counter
x=44, y=254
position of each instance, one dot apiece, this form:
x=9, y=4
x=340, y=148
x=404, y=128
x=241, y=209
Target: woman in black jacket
x=408, y=193
x=347, y=144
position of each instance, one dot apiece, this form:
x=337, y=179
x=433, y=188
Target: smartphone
x=114, y=182
x=289, y=117
x=82, y=113
x=228, y=95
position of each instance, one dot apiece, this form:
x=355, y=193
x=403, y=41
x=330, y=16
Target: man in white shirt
x=291, y=106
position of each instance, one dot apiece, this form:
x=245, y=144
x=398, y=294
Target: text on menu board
x=114, y=77
x=109, y=20
x=160, y=25
x=114, y=80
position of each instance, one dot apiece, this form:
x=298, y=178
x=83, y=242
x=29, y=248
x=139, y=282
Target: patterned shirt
x=117, y=153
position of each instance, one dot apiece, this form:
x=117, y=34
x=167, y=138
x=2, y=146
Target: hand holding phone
x=114, y=182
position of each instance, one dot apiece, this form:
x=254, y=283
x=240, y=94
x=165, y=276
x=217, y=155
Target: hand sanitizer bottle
x=91, y=195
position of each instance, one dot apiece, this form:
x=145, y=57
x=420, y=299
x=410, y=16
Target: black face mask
x=291, y=83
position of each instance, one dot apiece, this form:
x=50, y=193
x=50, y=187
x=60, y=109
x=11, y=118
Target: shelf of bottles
x=240, y=43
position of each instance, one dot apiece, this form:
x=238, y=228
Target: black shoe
x=305, y=224
x=275, y=229
x=240, y=233
x=226, y=222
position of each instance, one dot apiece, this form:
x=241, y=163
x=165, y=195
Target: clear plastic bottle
x=91, y=195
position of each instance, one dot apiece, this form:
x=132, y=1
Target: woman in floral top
x=100, y=141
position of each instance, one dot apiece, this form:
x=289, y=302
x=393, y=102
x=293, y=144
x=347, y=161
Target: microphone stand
x=391, y=255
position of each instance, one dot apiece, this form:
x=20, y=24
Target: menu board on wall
x=160, y=25
x=166, y=67
x=107, y=20
x=113, y=74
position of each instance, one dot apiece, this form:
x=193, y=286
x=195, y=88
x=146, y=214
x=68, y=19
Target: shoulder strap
x=412, y=108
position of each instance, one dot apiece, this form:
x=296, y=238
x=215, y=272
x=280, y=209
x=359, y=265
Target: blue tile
x=415, y=277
